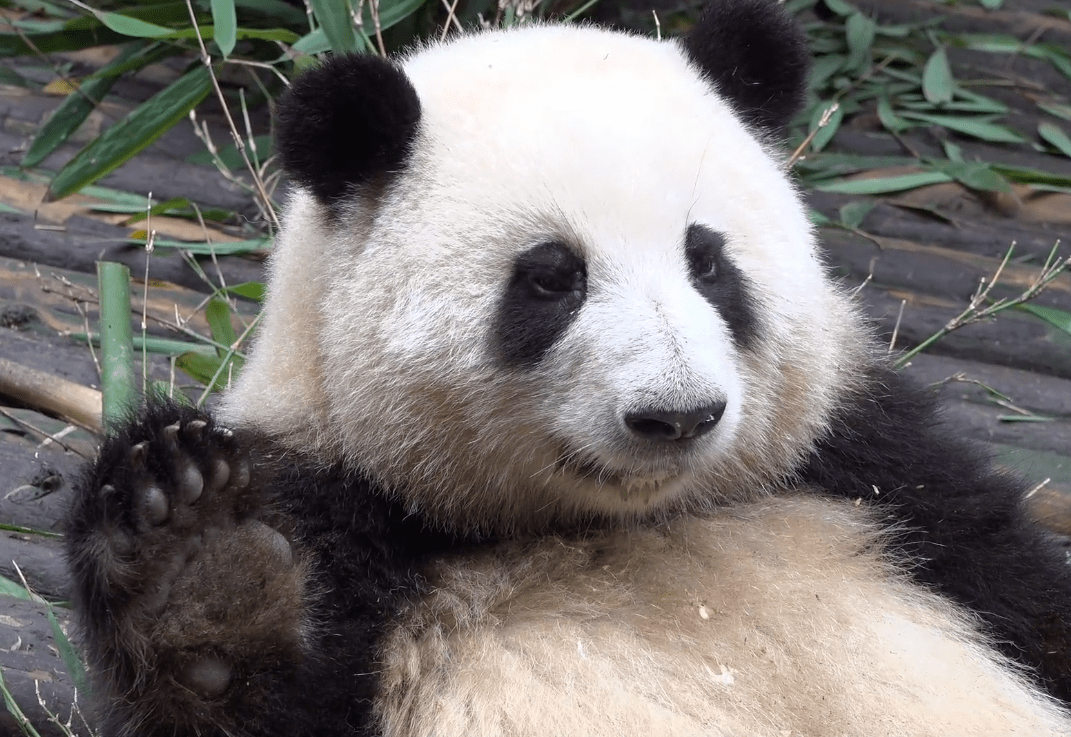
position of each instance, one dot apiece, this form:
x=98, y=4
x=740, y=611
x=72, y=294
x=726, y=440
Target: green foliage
x=902, y=73
x=938, y=86
x=272, y=35
x=77, y=106
x=133, y=133
x=225, y=25
x=1056, y=137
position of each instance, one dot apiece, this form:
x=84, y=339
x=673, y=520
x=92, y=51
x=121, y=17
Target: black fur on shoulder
x=201, y=559
x=963, y=522
x=345, y=122
x=756, y=56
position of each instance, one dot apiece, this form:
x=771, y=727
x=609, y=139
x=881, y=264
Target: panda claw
x=195, y=429
x=139, y=453
x=171, y=435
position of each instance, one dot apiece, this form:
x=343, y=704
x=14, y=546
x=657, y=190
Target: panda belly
x=775, y=618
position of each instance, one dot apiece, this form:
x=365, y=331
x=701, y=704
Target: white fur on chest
x=775, y=618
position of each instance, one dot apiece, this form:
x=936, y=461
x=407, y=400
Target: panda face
x=631, y=358
x=586, y=290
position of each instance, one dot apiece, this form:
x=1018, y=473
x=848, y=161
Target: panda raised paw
x=181, y=576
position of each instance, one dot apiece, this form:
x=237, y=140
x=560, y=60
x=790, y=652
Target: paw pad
x=209, y=676
x=154, y=506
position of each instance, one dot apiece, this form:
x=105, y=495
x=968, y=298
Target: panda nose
x=671, y=425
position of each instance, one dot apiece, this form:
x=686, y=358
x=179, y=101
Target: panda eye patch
x=721, y=282
x=544, y=293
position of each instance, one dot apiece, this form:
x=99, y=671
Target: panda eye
x=705, y=270
x=703, y=249
x=541, y=300
x=554, y=284
x=550, y=272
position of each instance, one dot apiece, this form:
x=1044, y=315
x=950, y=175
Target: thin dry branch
x=238, y=142
x=975, y=312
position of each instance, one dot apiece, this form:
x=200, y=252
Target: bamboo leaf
x=226, y=25
x=14, y=589
x=128, y=26
x=977, y=175
x=75, y=668
x=1060, y=319
x=888, y=117
x=200, y=366
x=334, y=18
x=253, y=290
x=392, y=12
x=162, y=208
x=1056, y=109
x=883, y=185
x=840, y=7
x=209, y=33
x=859, y=31
x=13, y=708
x=818, y=218
x=981, y=103
x=136, y=131
x=229, y=155
x=993, y=42
x=218, y=316
x=825, y=134
x=1055, y=136
x=977, y=127
x=73, y=111
x=203, y=367
x=853, y=213
x=225, y=248
x=314, y=42
x=937, y=83
x=824, y=67
x=1057, y=56
x=1033, y=177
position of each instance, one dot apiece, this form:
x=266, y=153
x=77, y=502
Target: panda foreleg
x=193, y=610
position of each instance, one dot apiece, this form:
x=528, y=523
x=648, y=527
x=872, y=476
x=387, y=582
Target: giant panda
x=556, y=425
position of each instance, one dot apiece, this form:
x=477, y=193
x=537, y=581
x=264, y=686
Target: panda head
x=539, y=276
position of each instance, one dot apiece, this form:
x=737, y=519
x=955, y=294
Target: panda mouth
x=629, y=486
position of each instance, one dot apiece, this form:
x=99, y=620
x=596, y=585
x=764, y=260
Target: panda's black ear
x=756, y=56
x=345, y=121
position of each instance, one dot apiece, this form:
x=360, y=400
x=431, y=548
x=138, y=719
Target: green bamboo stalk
x=117, y=347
